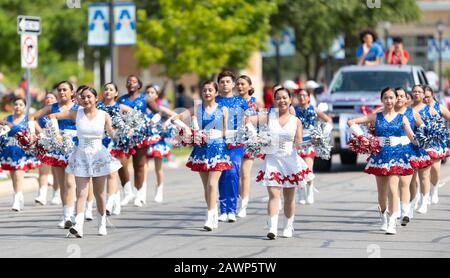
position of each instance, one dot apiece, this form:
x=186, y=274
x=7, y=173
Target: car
x=355, y=91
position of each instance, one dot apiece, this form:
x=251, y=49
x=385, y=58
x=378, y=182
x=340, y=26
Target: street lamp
x=386, y=27
x=440, y=28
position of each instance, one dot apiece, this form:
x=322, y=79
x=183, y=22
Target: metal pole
x=111, y=37
x=28, y=79
x=440, y=61
x=278, y=60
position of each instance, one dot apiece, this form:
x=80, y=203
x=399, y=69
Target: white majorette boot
x=434, y=198
x=392, y=223
x=216, y=218
x=209, y=223
x=384, y=219
x=231, y=217
x=159, y=193
x=243, y=210
x=423, y=206
x=109, y=203
x=272, y=223
x=310, y=194
x=141, y=196
x=116, y=208
x=66, y=223
x=301, y=195
x=42, y=195
x=56, y=199
x=101, y=221
x=288, y=226
x=405, y=210
x=128, y=194
x=77, y=229
x=88, y=213
x=17, y=202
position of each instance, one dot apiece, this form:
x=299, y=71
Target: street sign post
x=28, y=27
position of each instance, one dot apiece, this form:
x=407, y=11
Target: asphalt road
x=342, y=223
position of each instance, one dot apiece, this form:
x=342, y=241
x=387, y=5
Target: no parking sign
x=29, y=51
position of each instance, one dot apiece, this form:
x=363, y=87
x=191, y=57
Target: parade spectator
x=397, y=55
x=369, y=52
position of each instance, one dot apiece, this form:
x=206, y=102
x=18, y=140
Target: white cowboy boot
x=272, y=223
x=159, y=193
x=101, y=221
x=42, y=195
x=392, y=223
x=128, y=194
x=288, y=226
x=77, y=229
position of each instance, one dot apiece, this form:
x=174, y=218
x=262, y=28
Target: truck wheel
x=349, y=158
x=322, y=165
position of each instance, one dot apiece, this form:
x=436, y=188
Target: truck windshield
x=371, y=81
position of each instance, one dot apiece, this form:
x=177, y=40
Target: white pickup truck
x=355, y=90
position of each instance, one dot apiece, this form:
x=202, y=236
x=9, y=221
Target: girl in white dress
x=283, y=169
x=90, y=159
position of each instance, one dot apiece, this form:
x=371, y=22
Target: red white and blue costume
x=308, y=117
x=13, y=157
x=419, y=157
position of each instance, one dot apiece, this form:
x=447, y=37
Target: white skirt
x=284, y=171
x=92, y=161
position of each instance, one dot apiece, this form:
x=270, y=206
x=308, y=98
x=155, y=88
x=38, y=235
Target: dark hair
x=90, y=89
x=20, y=98
x=210, y=82
x=152, y=86
x=137, y=78
x=429, y=89
x=397, y=40
x=303, y=89
x=111, y=83
x=387, y=89
x=281, y=89
x=399, y=89
x=226, y=73
x=370, y=32
x=420, y=86
x=65, y=82
x=80, y=89
x=249, y=81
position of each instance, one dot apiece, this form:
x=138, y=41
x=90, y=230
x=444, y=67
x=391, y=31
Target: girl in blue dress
x=136, y=100
x=213, y=157
x=160, y=149
x=59, y=160
x=437, y=153
x=245, y=90
x=13, y=158
x=114, y=109
x=392, y=161
x=419, y=158
x=308, y=115
x=45, y=169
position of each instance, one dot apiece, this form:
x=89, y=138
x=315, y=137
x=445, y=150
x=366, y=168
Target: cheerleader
x=136, y=100
x=443, y=112
x=45, y=169
x=419, y=158
x=308, y=114
x=245, y=90
x=90, y=159
x=160, y=149
x=283, y=168
x=393, y=159
x=56, y=159
x=421, y=200
x=213, y=157
x=13, y=158
x=229, y=180
x=114, y=109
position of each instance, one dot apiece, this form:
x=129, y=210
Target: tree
x=317, y=22
x=202, y=36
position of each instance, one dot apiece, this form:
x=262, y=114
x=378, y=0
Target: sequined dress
x=419, y=157
x=308, y=117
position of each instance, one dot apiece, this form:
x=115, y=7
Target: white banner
x=98, y=25
x=125, y=24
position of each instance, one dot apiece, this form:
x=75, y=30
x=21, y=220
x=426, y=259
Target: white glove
x=32, y=127
x=356, y=129
x=4, y=130
x=155, y=119
x=251, y=129
x=328, y=128
x=195, y=124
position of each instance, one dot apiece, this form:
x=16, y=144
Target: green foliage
x=316, y=23
x=202, y=36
